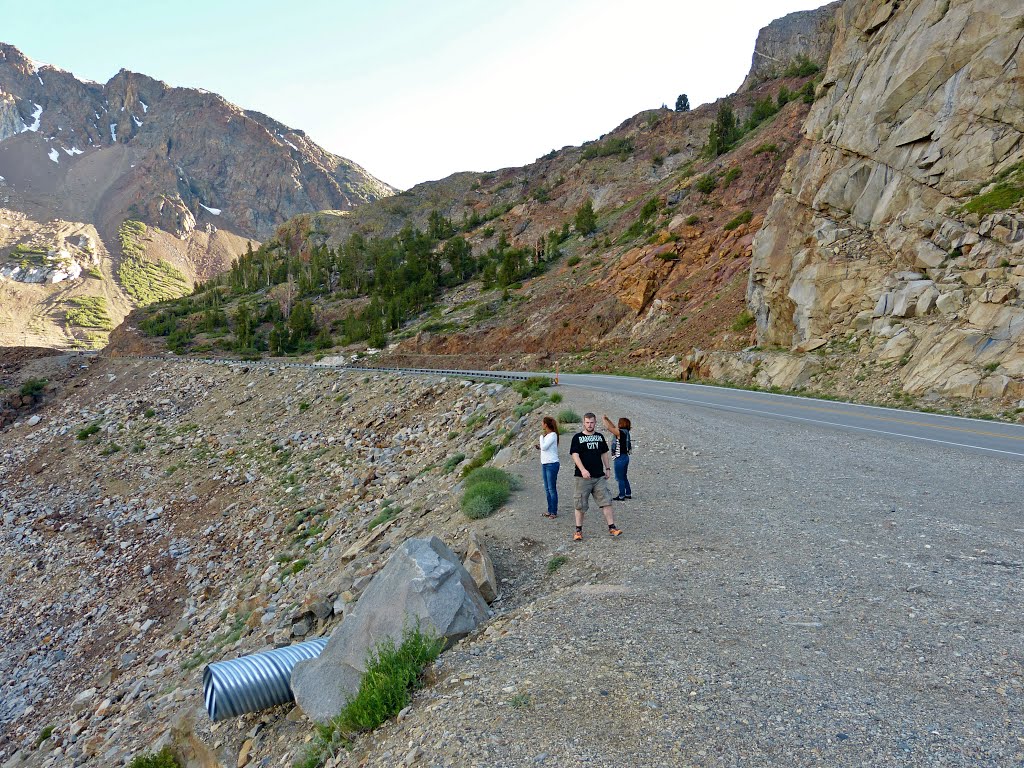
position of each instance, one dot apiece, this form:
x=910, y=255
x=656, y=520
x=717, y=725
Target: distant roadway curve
x=993, y=437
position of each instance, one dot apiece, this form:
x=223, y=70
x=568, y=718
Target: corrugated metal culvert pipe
x=256, y=682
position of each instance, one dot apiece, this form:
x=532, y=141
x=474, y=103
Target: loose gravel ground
x=783, y=596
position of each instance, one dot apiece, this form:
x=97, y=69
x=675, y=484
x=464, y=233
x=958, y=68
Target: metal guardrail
x=499, y=375
x=255, y=682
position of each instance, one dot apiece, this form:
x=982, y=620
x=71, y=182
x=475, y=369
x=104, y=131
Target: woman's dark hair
x=552, y=425
x=625, y=423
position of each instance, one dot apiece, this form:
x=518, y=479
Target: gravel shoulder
x=782, y=595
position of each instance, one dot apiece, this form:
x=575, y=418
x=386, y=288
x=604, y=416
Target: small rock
x=243, y=755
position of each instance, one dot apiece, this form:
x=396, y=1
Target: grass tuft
x=452, y=462
x=392, y=674
x=569, y=416
x=555, y=563
x=162, y=759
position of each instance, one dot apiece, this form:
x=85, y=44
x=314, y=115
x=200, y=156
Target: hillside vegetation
x=661, y=200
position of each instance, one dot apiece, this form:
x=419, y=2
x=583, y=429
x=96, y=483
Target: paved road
x=972, y=434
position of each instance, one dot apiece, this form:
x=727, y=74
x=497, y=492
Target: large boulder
x=423, y=582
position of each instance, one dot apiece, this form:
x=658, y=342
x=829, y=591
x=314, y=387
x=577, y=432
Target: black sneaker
x=619, y=498
x=627, y=497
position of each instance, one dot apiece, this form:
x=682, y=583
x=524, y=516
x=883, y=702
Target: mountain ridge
x=203, y=174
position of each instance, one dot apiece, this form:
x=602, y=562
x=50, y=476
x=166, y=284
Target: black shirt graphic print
x=590, y=448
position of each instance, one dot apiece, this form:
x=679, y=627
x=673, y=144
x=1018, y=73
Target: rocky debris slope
x=160, y=516
x=897, y=226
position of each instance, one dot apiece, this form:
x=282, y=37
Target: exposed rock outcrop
x=920, y=109
x=801, y=35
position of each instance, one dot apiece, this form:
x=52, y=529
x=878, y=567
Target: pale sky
x=412, y=90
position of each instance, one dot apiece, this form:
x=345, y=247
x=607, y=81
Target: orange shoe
x=613, y=531
x=578, y=536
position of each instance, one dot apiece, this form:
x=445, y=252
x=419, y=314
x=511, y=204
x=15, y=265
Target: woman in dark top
x=622, y=446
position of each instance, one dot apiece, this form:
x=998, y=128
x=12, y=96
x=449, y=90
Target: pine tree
x=586, y=219
x=683, y=103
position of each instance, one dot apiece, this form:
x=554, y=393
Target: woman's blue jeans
x=551, y=485
x=621, y=467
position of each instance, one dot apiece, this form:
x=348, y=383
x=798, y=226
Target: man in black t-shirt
x=589, y=453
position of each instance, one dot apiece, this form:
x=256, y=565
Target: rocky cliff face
x=897, y=225
x=80, y=158
x=796, y=36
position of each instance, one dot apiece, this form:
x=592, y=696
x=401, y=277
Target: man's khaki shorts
x=593, y=485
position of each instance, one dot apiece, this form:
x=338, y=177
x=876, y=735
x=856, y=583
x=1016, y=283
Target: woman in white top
x=548, y=446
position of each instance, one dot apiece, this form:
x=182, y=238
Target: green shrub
x=692, y=219
x=387, y=514
x=706, y=184
x=486, y=455
x=573, y=261
x=452, y=462
x=763, y=109
x=744, y=218
x=801, y=66
x=613, y=146
x=650, y=208
x=32, y=387
x=555, y=397
x=585, y=219
x=731, y=175
x=569, y=416
x=744, y=321
x=492, y=475
x=487, y=488
x=483, y=498
x=524, y=408
x=89, y=431
x=807, y=92
x=530, y=386
x=46, y=733
x=762, y=148
x=162, y=759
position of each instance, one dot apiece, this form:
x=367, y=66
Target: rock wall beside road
x=920, y=108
